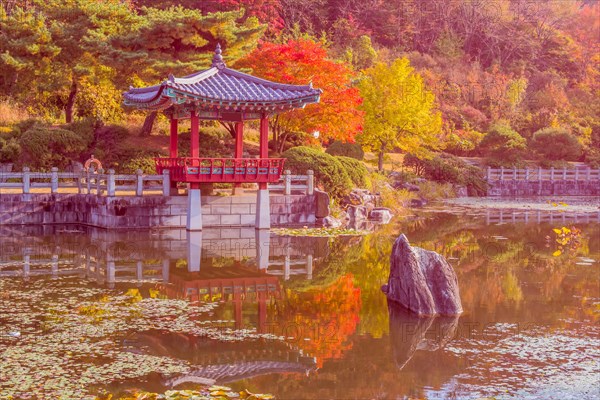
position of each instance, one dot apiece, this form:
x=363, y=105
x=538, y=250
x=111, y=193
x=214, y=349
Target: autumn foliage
x=301, y=62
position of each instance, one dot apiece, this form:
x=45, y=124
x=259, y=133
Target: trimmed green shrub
x=108, y=143
x=503, y=145
x=145, y=162
x=329, y=172
x=44, y=148
x=556, y=144
x=84, y=128
x=357, y=171
x=353, y=150
x=445, y=168
x=10, y=150
x=27, y=124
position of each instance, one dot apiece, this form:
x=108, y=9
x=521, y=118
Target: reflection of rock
x=422, y=281
x=331, y=222
x=418, y=202
x=381, y=214
x=409, y=333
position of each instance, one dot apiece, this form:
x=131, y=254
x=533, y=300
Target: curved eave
x=175, y=91
x=313, y=97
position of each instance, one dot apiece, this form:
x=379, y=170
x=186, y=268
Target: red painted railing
x=222, y=170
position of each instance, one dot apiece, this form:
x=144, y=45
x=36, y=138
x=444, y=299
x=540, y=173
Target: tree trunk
x=283, y=139
x=148, y=124
x=230, y=126
x=70, y=103
x=380, y=161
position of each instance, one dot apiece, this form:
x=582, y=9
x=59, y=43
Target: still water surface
x=86, y=311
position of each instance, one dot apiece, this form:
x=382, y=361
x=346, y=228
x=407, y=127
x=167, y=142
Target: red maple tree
x=299, y=62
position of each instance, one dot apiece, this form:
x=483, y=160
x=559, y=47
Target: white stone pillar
x=139, y=270
x=263, y=246
x=194, y=211
x=54, y=266
x=26, y=266
x=110, y=273
x=166, y=264
x=194, y=255
x=263, y=209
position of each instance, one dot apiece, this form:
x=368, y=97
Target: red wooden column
x=239, y=139
x=173, y=143
x=194, y=142
x=239, y=148
x=237, y=310
x=262, y=312
x=264, y=142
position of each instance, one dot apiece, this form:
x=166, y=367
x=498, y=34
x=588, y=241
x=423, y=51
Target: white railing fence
x=540, y=174
x=87, y=182
x=289, y=183
x=108, y=183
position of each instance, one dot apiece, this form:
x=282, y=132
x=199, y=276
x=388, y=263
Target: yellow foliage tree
x=400, y=112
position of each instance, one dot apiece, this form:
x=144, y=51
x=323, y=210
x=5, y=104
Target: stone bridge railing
x=514, y=182
x=99, y=182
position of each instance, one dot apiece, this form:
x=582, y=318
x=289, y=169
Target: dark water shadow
x=410, y=333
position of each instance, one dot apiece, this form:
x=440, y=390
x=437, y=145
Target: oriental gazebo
x=221, y=94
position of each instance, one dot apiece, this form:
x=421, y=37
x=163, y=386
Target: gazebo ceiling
x=221, y=93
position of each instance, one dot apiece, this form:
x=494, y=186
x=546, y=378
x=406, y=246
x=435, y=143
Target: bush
x=445, y=168
x=27, y=124
x=356, y=170
x=84, y=128
x=108, y=141
x=45, y=148
x=330, y=174
x=10, y=150
x=144, y=162
x=502, y=145
x=352, y=150
x=556, y=144
x=213, y=143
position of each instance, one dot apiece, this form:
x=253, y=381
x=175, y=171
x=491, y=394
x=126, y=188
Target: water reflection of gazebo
x=221, y=94
x=239, y=285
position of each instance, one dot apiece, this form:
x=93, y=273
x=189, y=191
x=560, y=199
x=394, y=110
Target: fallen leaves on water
x=72, y=338
x=317, y=232
x=212, y=393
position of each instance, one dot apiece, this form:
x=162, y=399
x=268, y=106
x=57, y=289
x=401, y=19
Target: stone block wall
x=521, y=188
x=149, y=211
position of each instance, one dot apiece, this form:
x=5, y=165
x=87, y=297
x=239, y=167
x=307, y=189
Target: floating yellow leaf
x=557, y=253
x=215, y=388
x=557, y=231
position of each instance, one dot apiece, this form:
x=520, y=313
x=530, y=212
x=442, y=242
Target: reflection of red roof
x=223, y=89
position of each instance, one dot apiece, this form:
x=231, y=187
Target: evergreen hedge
x=329, y=171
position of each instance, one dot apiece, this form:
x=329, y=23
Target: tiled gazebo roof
x=221, y=89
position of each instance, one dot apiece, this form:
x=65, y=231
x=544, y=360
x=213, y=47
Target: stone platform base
x=130, y=212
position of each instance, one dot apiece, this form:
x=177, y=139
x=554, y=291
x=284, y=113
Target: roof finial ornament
x=218, y=58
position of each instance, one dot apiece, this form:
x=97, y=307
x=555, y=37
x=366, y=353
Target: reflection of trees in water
x=320, y=320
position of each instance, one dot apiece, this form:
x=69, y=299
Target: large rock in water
x=422, y=281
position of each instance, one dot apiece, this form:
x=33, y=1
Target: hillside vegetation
x=506, y=80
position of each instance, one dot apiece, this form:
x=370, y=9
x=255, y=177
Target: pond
x=87, y=312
